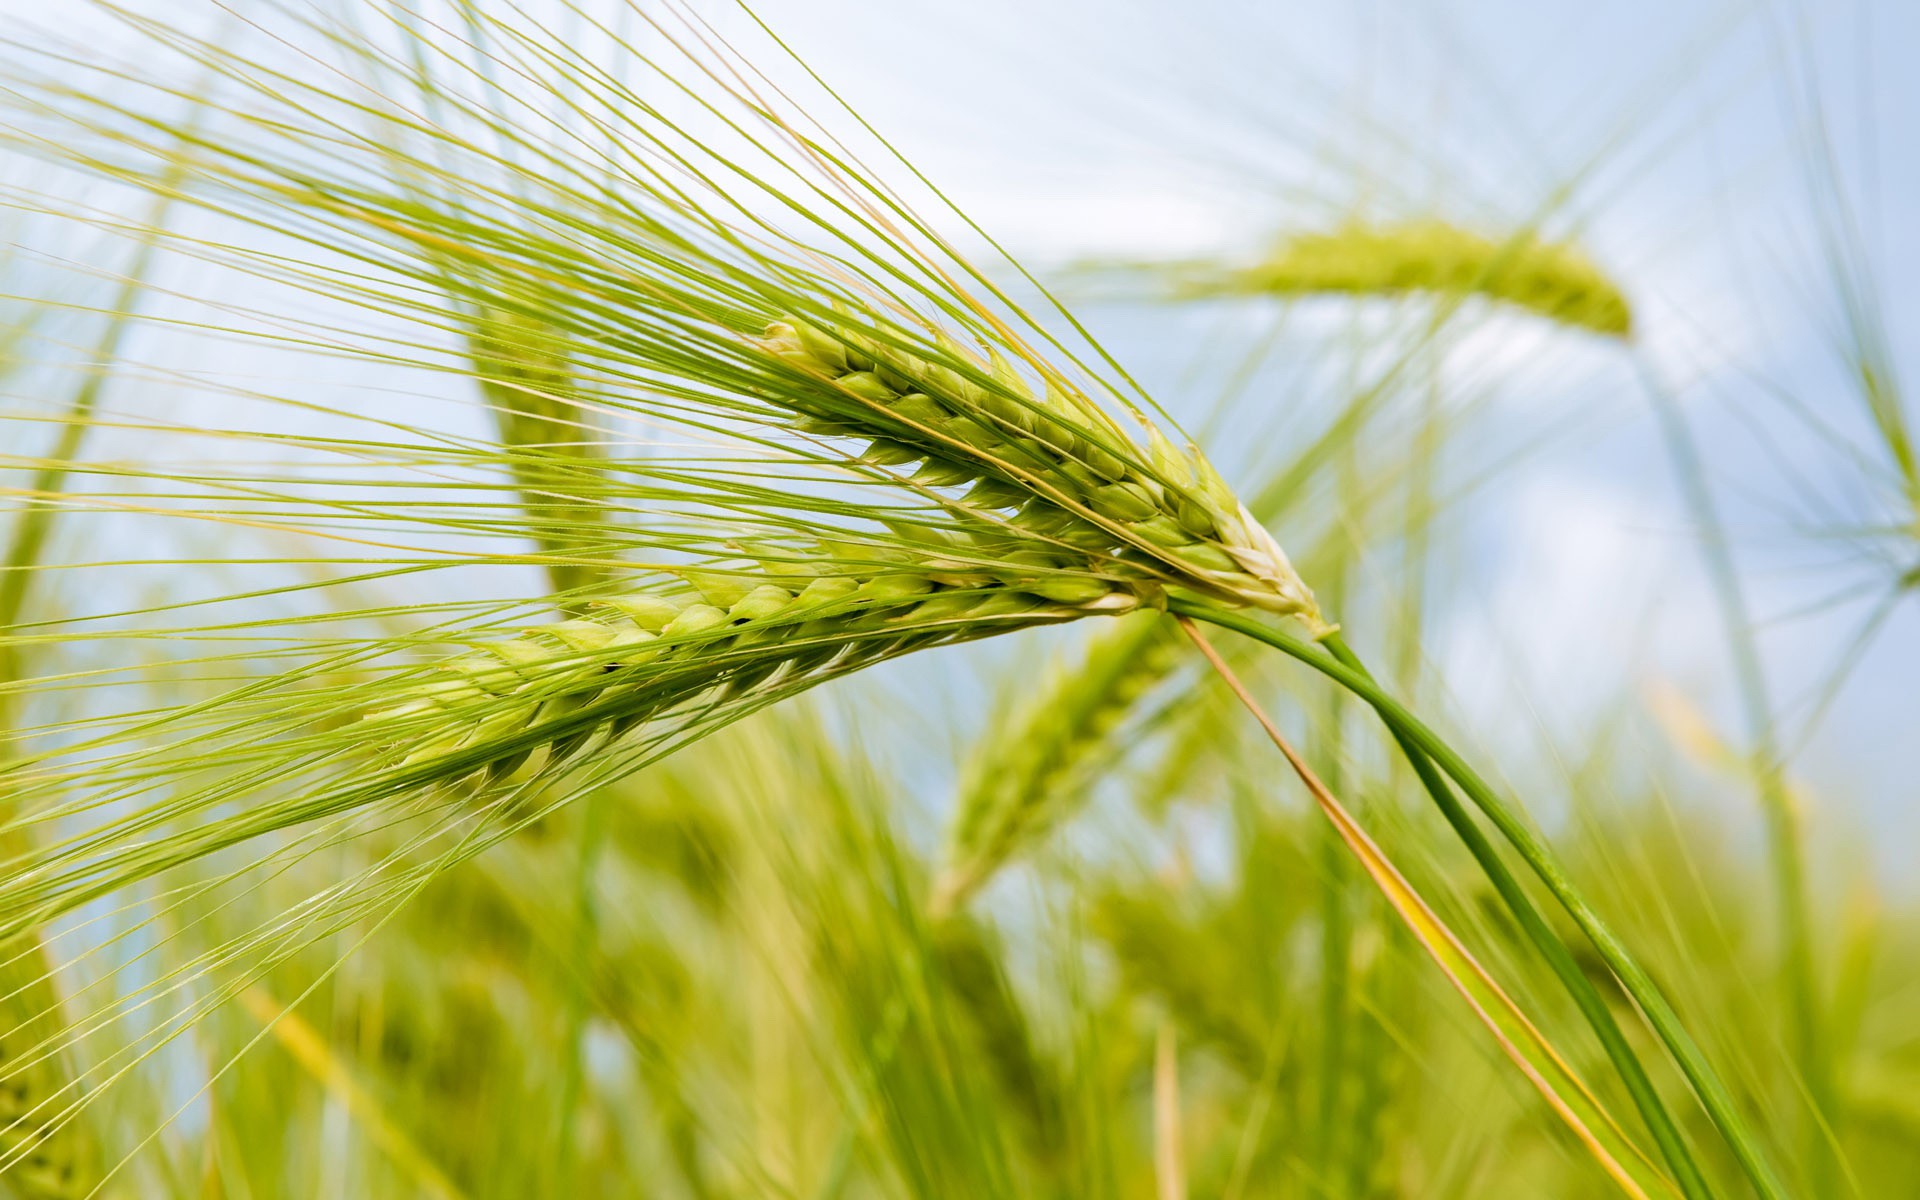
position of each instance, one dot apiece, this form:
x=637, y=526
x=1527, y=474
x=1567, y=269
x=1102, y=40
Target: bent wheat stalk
x=1519, y=1039
x=1338, y=663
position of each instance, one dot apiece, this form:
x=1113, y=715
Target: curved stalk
x=1550, y=1074
x=1673, y=1147
x=1706, y=1083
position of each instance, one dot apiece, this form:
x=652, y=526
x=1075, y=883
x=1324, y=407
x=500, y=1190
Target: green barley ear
x=1025, y=774
x=917, y=462
x=542, y=697
x=783, y=319
x=526, y=375
x=1555, y=280
x=1046, y=461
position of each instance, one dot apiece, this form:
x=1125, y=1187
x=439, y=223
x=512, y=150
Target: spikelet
x=1554, y=280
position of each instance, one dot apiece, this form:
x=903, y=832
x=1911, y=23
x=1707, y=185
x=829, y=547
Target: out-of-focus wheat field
x=656, y=598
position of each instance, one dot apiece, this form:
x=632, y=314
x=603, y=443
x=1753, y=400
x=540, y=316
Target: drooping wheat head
x=1555, y=280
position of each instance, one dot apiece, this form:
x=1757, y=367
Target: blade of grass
x=1592, y=1005
x=1170, y=1175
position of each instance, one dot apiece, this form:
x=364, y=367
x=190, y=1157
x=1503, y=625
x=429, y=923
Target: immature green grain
x=1064, y=516
x=1025, y=504
x=560, y=686
x=1061, y=517
x=1059, y=466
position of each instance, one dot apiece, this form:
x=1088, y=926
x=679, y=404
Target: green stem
x=1336, y=949
x=1706, y=1083
x=1371, y=1052
x=1592, y=1005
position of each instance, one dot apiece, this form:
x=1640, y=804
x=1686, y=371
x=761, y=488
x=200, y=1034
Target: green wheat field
x=826, y=599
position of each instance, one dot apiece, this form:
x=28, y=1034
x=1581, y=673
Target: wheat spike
x=1057, y=522
x=641, y=654
x=1554, y=280
x=1064, y=467
x=1014, y=793
x=526, y=376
